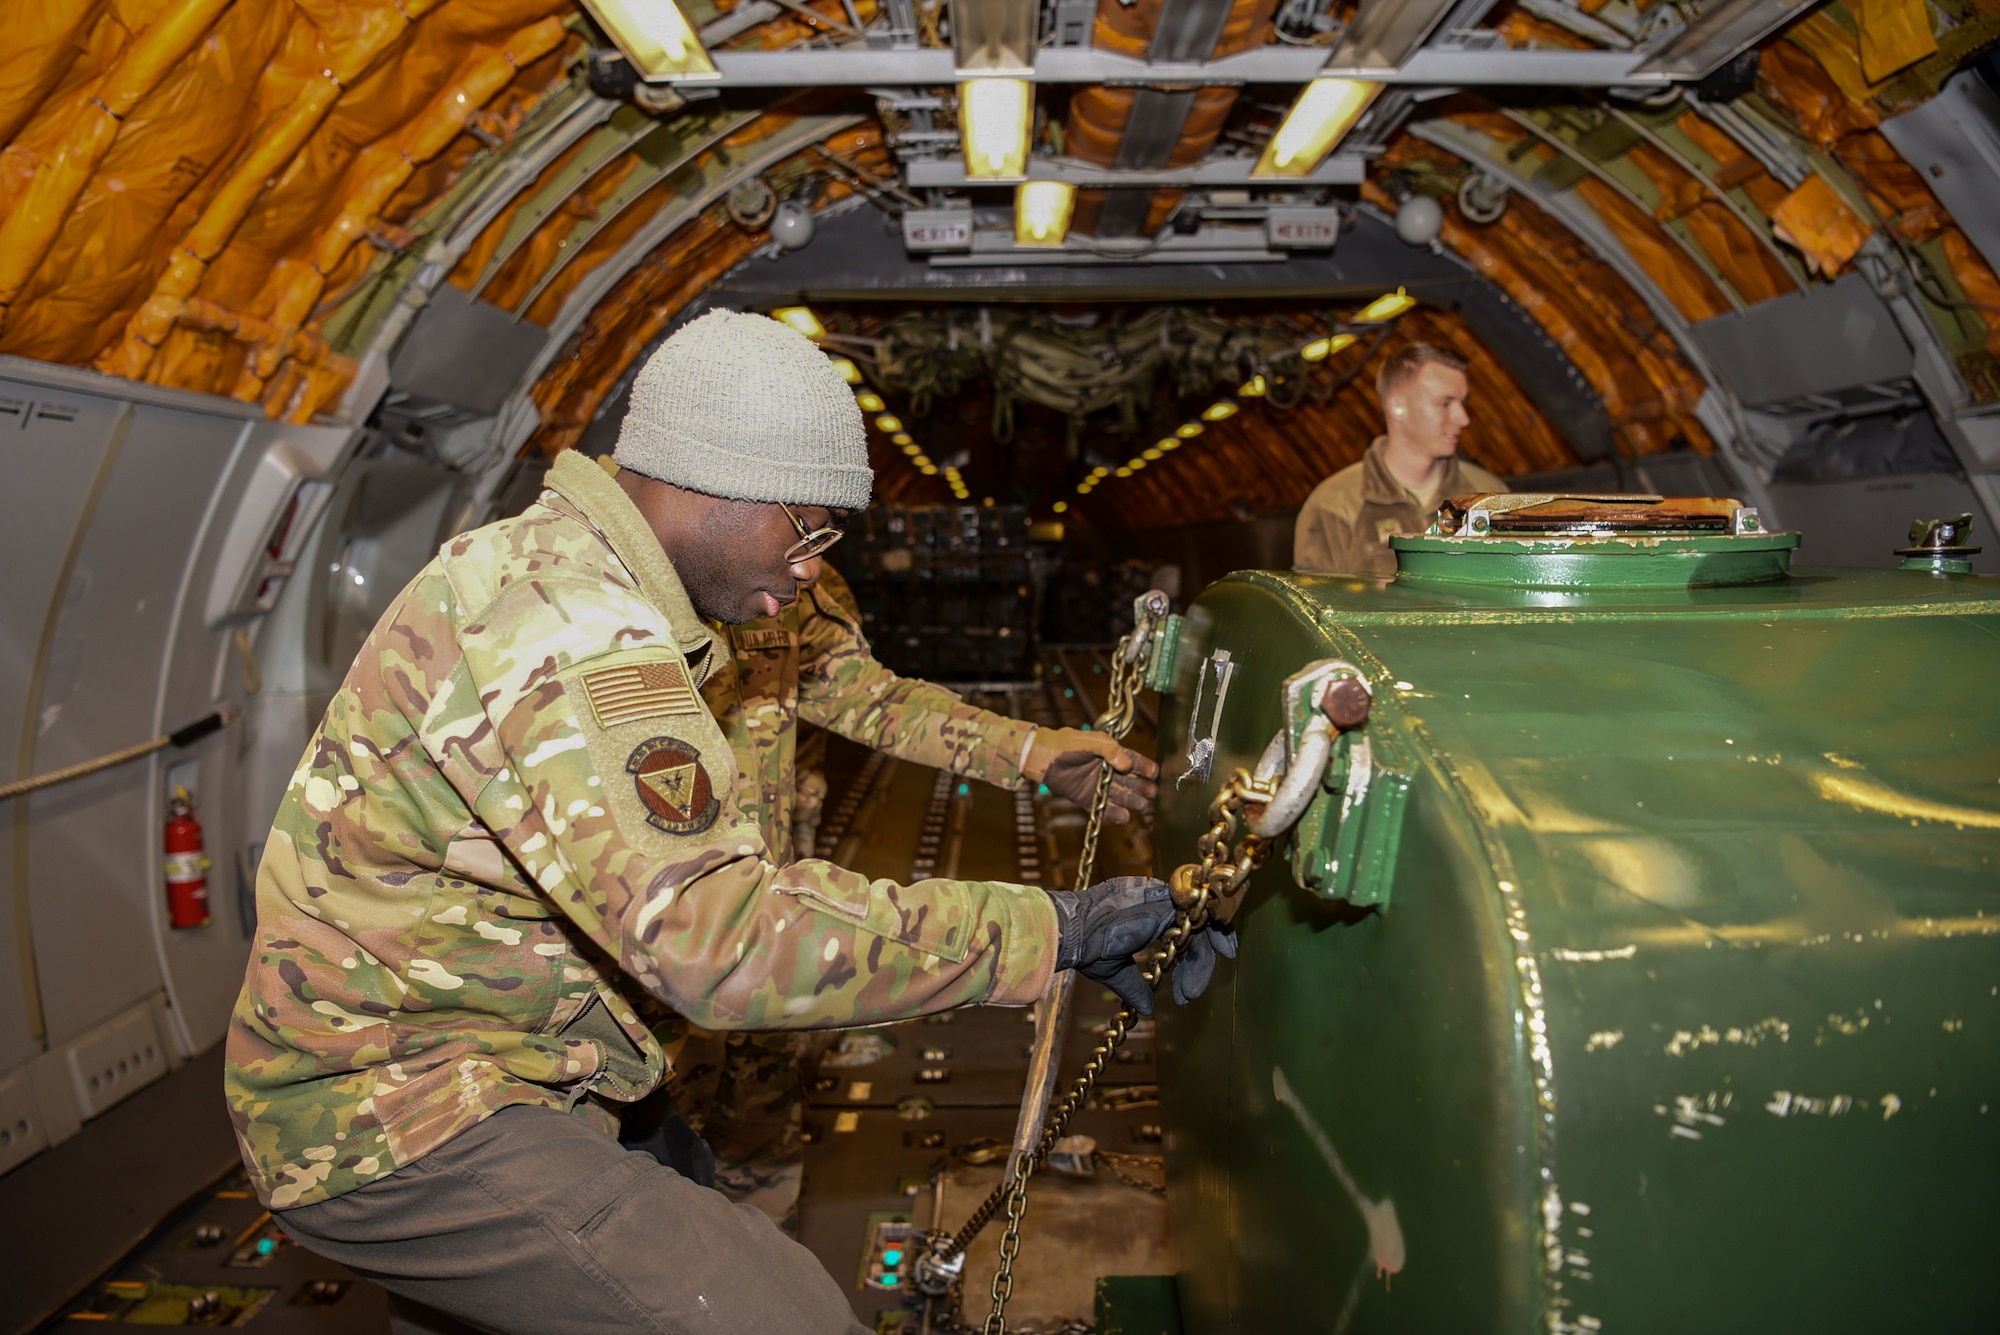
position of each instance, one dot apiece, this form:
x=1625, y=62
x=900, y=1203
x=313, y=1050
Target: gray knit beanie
x=743, y=407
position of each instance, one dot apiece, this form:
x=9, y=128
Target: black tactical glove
x=1196, y=964
x=1102, y=927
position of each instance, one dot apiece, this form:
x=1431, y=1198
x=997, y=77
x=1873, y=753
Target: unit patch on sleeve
x=639, y=690
x=673, y=786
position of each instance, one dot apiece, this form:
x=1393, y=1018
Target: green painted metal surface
x=1679, y=1006
x=1137, y=1305
x=1678, y=561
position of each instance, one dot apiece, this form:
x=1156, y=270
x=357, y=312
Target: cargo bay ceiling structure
x=1756, y=228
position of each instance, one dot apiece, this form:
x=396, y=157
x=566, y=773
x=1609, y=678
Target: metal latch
x=1201, y=750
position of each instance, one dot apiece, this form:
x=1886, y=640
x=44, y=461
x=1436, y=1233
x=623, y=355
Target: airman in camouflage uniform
x=522, y=756
x=514, y=853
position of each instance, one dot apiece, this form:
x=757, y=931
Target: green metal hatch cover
x=1595, y=542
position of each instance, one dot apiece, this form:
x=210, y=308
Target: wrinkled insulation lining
x=191, y=189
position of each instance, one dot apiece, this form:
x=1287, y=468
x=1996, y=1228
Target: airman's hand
x=1068, y=759
x=1101, y=928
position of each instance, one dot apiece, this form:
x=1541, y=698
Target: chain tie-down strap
x=1221, y=872
x=1216, y=881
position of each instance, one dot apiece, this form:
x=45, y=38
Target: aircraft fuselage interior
x=1527, y=472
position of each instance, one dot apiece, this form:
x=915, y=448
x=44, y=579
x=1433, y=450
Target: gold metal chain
x=1208, y=890
x=1120, y=708
x=1120, y=705
x=1219, y=876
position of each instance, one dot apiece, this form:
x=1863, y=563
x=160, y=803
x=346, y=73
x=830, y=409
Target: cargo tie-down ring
x=1322, y=701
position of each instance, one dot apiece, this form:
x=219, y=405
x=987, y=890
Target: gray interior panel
x=1954, y=140
x=94, y=862
x=1790, y=346
x=49, y=462
x=464, y=352
x=1862, y=522
x=198, y=670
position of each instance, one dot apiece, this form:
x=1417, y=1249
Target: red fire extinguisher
x=187, y=865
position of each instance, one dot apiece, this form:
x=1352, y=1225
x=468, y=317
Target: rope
x=192, y=733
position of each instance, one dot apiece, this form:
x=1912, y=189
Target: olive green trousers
x=535, y=1222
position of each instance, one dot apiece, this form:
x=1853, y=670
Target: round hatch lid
x=1573, y=541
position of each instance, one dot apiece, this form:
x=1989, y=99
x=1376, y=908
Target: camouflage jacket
x=517, y=831
x=812, y=664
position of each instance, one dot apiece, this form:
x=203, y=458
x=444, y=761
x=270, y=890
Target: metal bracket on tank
x=1344, y=846
x=1201, y=750
x=1156, y=640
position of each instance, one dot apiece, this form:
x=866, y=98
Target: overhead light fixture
x=994, y=117
x=1321, y=348
x=923, y=462
x=802, y=319
x=1060, y=507
x=655, y=36
x=1253, y=388
x=869, y=401
x=1041, y=212
x=1121, y=472
x=1100, y=471
x=1135, y=464
x=927, y=469
x=1189, y=430
x=890, y=423
x=900, y=438
x=912, y=449
x=1384, y=308
x=1218, y=411
x=1325, y=111
x=1170, y=443
x=1150, y=455
x=847, y=370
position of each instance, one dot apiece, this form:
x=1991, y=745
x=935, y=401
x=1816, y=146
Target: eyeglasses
x=812, y=542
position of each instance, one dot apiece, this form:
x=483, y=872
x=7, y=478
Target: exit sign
x=937, y=229
x=1302, y=229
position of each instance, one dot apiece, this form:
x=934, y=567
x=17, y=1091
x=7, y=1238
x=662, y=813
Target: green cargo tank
x=1651, y=984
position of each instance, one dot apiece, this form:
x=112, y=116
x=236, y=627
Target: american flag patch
x=639, y=690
